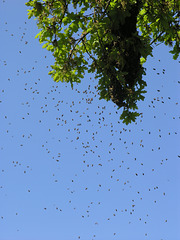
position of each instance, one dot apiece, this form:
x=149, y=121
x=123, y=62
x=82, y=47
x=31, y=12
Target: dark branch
x=80, y=39
x=156, y=38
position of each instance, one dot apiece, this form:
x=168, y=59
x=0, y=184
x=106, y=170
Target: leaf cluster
x=109, y=38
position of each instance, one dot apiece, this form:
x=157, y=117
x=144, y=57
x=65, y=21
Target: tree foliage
x=109, y=38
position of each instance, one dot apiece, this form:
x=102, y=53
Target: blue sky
x=69, y=168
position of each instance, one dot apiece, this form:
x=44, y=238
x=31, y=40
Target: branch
x=88, y=52
x=83, y=35
x=107, y=5
x=60, y=23
x=157, y=38
x=80, y=39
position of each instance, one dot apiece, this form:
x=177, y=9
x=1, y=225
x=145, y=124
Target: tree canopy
x=109, y=38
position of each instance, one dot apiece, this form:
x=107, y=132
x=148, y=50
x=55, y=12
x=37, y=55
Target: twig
x=156, y=38
x=60, y=23
x=85, y=33
x=88, y=51
x=81, y=38
x=107, y=5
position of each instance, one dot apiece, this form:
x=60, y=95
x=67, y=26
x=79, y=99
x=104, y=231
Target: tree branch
x=156, y=38
x=83, y=35
x=107, y=5
x=88, y=52
x=80, y=39
x=66, y=6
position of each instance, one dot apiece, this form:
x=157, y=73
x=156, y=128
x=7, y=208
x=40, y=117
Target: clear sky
x=69, y=168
